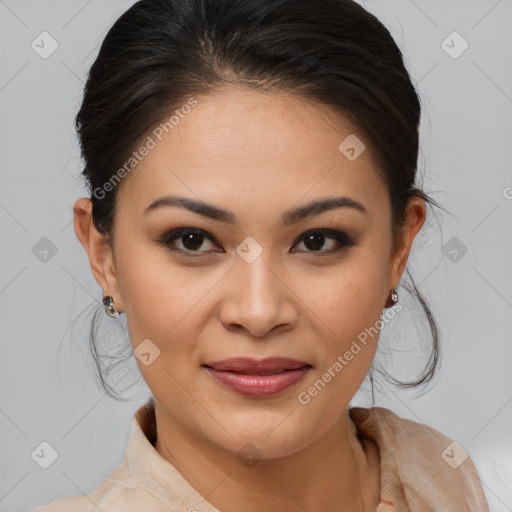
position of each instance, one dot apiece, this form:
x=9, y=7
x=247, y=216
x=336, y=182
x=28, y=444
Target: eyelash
x=342, y=238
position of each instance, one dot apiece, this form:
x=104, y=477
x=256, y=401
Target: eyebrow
x=289, y=217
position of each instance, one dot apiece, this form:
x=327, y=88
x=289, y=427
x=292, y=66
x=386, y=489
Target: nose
x=257, y=299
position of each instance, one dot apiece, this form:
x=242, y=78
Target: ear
x=100, y=254
x=415, y=217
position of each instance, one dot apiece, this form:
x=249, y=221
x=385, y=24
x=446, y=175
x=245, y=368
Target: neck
x=336, y=472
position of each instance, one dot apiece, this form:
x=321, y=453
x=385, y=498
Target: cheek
x=153, y=292
x=350, y=296
x=159, y=304
x=164, y=303
x=349, y=305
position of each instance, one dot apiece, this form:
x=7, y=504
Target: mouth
x=258, y=379
x=252, y=373
x=268, y=366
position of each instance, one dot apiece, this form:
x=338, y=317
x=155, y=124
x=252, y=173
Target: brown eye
x=315, y=240
x=187, y=240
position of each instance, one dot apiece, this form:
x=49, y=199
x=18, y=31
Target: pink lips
x=264, y=378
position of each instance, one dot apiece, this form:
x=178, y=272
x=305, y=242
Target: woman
x=252, y=170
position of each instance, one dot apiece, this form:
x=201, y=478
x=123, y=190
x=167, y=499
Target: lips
x=268, y=366
x=258, y=379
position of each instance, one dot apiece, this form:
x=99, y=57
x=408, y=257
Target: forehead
x=237, y=142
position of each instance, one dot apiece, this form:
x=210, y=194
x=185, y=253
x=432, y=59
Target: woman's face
x=250, y=285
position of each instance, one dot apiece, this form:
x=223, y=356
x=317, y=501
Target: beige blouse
x=421, y=471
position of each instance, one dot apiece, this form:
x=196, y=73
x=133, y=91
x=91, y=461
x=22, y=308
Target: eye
x=315, y=239
x=190, y=239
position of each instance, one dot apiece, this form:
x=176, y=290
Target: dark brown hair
x=160, y=53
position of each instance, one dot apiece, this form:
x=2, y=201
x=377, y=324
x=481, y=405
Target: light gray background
x=48, y=392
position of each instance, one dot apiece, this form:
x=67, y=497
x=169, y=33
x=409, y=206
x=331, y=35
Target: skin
x=256, y=155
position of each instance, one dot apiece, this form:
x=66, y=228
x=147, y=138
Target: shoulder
x=119, y=492
x=419, y=464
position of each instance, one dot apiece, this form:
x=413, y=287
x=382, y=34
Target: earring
x=393, y=299
x=110, y=308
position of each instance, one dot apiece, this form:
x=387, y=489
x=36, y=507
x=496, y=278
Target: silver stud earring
x=110, y=308
x=393, y=298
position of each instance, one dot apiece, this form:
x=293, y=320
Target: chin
x=268, y=437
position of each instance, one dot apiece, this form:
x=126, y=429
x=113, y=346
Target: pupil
x=192, y=241
x=314, y=241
